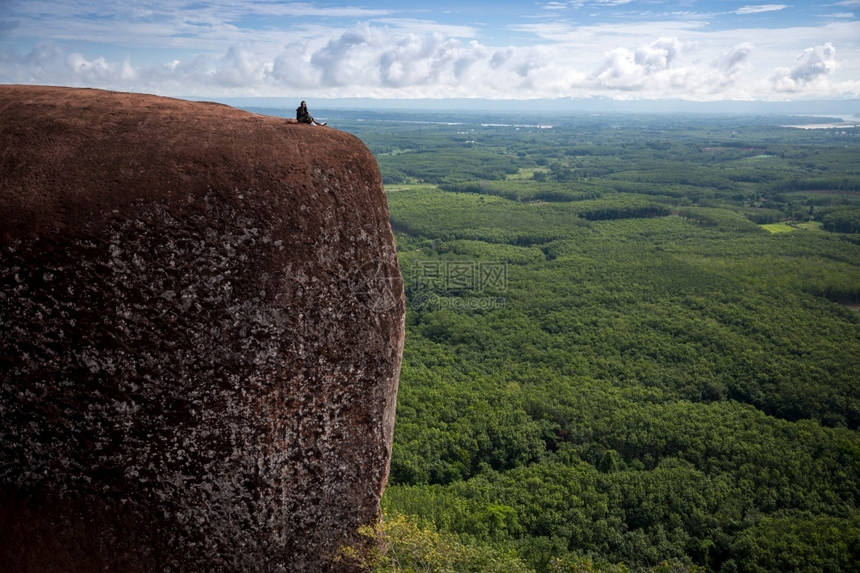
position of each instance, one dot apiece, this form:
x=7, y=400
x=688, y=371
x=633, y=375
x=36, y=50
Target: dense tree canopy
x=611, y=364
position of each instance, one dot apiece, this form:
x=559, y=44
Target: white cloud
x=49, y=63
x=812, y=66
x=239, y=67
x=631, y=69
x=556, y=5
x=733, y=61
x=351, y=58
x=759, y=8
x=208, y=52
x=309, y=9
x=428, y=59
x=368, y=58
x=292, y=68
x=429, y=26
x=95, y=70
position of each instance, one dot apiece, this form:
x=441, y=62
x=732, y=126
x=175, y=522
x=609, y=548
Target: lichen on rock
x=201, y=327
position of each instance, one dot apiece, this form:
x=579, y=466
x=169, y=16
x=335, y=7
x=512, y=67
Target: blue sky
x=699, y=50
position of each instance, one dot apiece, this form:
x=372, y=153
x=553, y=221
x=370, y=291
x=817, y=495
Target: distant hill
x=563, y=106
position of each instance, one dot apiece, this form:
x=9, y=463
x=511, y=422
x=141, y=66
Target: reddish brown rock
x=201, y=324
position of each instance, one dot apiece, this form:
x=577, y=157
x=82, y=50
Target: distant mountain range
x=831, y=108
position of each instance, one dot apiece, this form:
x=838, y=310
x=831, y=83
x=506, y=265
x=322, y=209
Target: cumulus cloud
x=729, y=65
x=49, y=63
x=44, y=55
x=371, y=59
x=733, y=60
x=239, y=67
x=721, y=76
x=351, y=58
x=429, y=59
x=292, y=67
x=94, y=70
x=381, y=59
x=812, y=66
x=632, y=69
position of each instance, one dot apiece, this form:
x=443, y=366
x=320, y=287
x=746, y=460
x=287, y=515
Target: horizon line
x=543, y=105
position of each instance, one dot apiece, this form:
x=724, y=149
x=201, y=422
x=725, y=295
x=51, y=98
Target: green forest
x=633, y=343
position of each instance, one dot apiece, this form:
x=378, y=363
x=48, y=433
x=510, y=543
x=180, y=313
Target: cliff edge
x=201, y=327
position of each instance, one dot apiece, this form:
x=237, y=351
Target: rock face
x=201, y=327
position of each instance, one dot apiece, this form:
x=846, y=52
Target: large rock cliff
x=201, y=325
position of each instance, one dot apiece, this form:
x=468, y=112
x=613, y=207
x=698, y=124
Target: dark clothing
x=303, y=115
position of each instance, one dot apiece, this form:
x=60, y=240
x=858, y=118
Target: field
x=632, y=343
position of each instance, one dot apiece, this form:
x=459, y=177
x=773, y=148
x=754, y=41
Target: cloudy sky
x=623, y=49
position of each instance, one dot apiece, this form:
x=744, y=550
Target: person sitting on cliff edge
x=304, y=116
